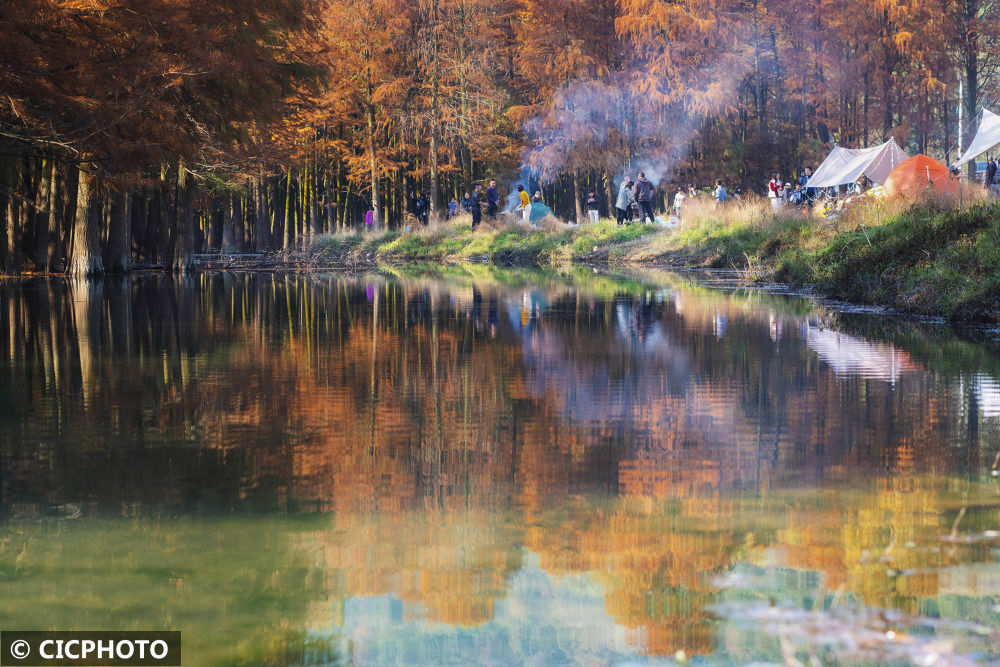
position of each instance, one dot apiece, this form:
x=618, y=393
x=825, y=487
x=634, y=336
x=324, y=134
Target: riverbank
x=935, y=258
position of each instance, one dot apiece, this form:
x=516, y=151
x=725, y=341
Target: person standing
x=492, y=199
x=467, y=203
x=477, y=206
x=991, y=173
x=593, y=207
x=421, y=208
x=644, y=196
x=775, y=190
x=525, y=204
x=720, y=191
x=624, y=202
x=809, y=194
x=452, y=208
x=678, y=201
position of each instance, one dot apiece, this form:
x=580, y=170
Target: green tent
x=539, y=211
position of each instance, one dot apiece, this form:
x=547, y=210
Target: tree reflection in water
x=486, y=431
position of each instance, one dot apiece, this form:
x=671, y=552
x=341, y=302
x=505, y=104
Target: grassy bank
x=550, y=243
x=936, y=257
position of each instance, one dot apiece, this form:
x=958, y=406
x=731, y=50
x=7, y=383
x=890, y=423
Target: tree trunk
x=971, y=72
x=162, y=214
x=119, y=235
x=237, y=226
x=216, y=221
x=288, y=221
x=577, y=201
x=43, y=211
x=370, y=117
x=315, y=219
x=6, y=201
x=261, y=232
x=137, y=220
x=54, y=255
x=85, y=251
x=183, y=260
x=228, y=241
x=434, y=210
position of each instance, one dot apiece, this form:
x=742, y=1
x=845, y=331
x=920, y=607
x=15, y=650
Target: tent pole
x=961, y=99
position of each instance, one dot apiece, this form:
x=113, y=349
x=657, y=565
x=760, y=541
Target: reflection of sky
x=987, y=395
x=543, y=620
x=848, y=355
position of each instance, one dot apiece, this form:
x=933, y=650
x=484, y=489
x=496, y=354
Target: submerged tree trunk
x=85, y=252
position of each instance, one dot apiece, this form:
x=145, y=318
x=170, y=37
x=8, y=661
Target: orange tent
x=918, y=173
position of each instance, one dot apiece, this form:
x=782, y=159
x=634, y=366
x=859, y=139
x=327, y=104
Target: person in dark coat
x=477, y=206
x=644, y=197
x=421, y=208
x=492, y=199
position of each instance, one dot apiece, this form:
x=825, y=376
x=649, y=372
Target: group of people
x=635, y=199
x=781, y=192
x=489, y=201
x=475, y=203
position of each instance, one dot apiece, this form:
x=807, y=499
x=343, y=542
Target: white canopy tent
x=845, y=165
x=987, y=137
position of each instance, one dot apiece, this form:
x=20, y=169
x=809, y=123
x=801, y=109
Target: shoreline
x=927, y=260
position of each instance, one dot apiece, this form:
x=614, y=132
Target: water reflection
x=508, y=467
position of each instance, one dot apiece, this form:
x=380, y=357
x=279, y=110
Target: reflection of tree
x=408, y=399
x=451, y=565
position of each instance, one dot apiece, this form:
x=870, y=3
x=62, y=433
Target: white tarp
x=987, y=137
x=845, y=165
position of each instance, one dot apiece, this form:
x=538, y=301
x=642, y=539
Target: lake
x=478, y=465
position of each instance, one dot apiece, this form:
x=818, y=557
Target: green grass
x=547, y=245
x=931, y=258
x=925, y=261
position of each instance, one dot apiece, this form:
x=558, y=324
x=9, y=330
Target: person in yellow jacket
x=525, y=205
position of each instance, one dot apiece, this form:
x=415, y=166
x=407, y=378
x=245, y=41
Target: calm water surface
x=495, y=467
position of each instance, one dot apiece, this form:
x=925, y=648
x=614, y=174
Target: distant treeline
x=140, y=132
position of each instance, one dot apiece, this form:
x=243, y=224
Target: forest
x=138, y=133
